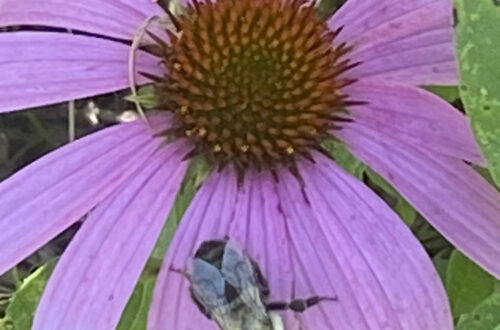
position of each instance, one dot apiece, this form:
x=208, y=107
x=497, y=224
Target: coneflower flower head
x=254, y=83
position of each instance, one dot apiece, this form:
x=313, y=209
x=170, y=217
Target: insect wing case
x=238, y=271
x=237, y=267
x=208, y=285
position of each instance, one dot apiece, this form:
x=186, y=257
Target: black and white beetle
x=229, y=287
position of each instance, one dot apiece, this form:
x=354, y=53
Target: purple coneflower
x=255, y=87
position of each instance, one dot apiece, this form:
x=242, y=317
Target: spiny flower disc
x=254, y=82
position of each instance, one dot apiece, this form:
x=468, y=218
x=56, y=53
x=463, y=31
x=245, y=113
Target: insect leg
x=298, y=305
x=182, y=272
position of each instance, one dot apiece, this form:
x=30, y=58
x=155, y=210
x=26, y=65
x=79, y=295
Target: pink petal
x=43, y=68
x=409, y=41
x=349, y=242
x=49, y=195
x=98, y=272
x=415, y=116
x=346, y=242
x=112, y=18
x=462, y=205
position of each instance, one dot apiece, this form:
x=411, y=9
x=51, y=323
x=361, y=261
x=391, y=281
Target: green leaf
x=441, y=261
x=478, y=45
x=135, y=315
x=485, y=173
x=449, y=93
x=345, y=158
x=21, y=310
x=467, y=284
x=328, y=6
x=485, y=316
x=146, y=96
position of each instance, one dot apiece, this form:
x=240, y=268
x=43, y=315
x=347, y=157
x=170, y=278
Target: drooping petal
x=462, y=205
x=208, y=217
x=415, y=116
x=41, y=200
x=112, y=18
x=43, y=68
x=345, y=243
x=98, y=272
x=410, y=41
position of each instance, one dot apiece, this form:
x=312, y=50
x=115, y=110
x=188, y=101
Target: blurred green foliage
x=345, y=158
x=485, y=316
x=449, y=93
x=146, y=96
x=328, y=6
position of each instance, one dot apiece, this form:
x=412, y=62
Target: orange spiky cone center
x=254, y=82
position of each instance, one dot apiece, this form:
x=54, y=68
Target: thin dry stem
x=132, y=61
